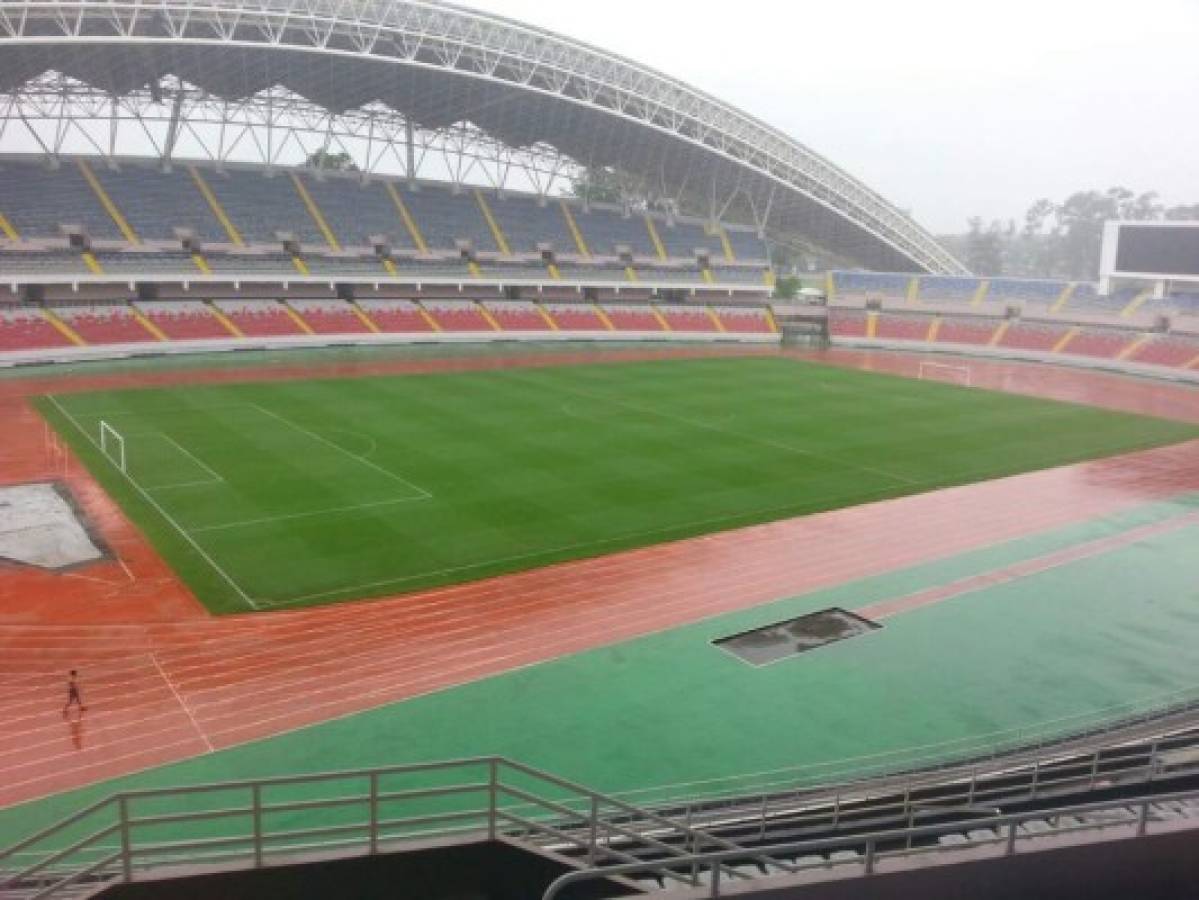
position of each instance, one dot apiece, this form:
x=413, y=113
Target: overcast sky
x=949, y=109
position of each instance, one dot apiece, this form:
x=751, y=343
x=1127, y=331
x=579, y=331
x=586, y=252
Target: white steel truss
x=418, y=88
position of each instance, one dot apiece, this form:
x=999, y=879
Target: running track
x=165, y=681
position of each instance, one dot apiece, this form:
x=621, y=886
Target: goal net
x=949, y=373
x=112, y=445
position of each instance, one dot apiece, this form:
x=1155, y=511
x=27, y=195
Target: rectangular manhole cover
x=772, y=643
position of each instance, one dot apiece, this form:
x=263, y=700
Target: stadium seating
x=457, y=315
x=141, y=263
x=109, y=324
x=261, y=205
x=527, y=224
x=184, y=320
x=1033, y=336
x=903, y=328
x=847, y=323
x=1016, y=290
x=682, y=239
x=935, y=289
x=1168, y=350
x=517, y=316
x=1099, y=343
x=259, y=318
x=747, y=246
x=682, y=318
x=739, y=275
x=397, y=316
x=40, y=262
x=864, y=285
x=629, y=317
x=967, y=331
x=28, y=329
x=606, y=229
x=37, y=200
x=744, y=320
x=444, y=218
x=155, y=203
x=357, y=211
x=576, y=316
x=329, y=316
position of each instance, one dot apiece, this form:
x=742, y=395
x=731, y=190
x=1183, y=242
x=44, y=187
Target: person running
x=73, y=695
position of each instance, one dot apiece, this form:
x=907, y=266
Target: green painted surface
x=298, y=493
x=1035, y=654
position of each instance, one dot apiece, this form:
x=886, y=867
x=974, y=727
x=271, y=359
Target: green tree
x=787, y=288
x=600, y=185
x=331, y=162
x=984, y=247
x=1184, y=213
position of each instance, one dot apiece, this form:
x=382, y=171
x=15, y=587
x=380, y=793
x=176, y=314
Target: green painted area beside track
x=284, y=494
x=668, y=714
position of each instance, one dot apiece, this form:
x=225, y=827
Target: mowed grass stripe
x=336, y=489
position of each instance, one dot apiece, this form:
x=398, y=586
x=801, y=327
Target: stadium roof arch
x=409, y=87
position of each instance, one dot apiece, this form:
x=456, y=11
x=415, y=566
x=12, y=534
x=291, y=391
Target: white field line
x=268, y=520
x=249, y=601
x=182, y=703
x=423, y=494
x=215, y=477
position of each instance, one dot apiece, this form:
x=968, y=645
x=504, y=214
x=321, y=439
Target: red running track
x=165, y=681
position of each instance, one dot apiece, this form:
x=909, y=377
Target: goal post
x=112, y=445
x=949, y=373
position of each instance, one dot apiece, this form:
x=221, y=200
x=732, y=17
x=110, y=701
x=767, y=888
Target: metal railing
x=866, y=852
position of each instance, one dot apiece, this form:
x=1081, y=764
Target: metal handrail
x=870, y=842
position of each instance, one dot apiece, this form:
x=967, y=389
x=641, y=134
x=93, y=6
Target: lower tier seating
x=184, y=320
x=458, y=315
x=114, y=324
x=28, y=329
x=260, y=318
x=518, y=316
x=632, y=318
x=684, y=319
x=329, y=316
x=397, y=316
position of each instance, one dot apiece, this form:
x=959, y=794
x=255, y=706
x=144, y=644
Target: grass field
x=269, y=495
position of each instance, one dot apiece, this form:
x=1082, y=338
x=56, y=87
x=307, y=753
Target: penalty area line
x=246, y=598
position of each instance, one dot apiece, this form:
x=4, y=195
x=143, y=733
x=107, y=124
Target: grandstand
x=421, y=524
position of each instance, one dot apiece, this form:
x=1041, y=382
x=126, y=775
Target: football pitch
x=286, y=494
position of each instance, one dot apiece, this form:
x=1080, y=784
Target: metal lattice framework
x=421, y=89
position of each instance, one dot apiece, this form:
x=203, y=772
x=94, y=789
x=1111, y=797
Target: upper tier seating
x=126, y=262
x=259, y=318
x=261, y=205
x=396, y=316
x=747, y=246
x=527, y=223
x=184, y=320
x=37, y=200
x=357, y=211
x=738, y=275
x=1044, y=293
x=155, y=203
x=629, y=317
x=871, y=285
x=40, y=262
x=457, y=315
x=329, y=316
x=444, y=218
x=112, y=324
x=683, y=238
x=953, y=290
x=606, y=229
x=28, y=329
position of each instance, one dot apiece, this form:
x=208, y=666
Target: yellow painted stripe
x=980, y=295
x=201, y=263
x=1137, y=302
x=661, y=318
x=365, y=319
x=301, y=266
x=1000, y=333
x=93, y=264
x=230, y=325
x=1064, y=297
x=631, y=274
x=474, y=269
x=214, y=204
x=555, y=272
x=726, y=244
x=655, y=238
x=1133, y=346
x=575, y=231
x=547, y=318
x=603, y=317
x=769, y=277
x=774, y=326
x=390, y=267
x=715, y=318
x=493, y=223
x=707, y=276
x=295, y=316
x=9, y=229
x=871, y=324
x=314, y=210
x=491, y=320
x=934, y=329
x=106, y=201
x=914, y=289
x=418, y=239
x=63, y=328
x=428, y=317
x=1067, y=338
x=830, y=286
x=144, y=321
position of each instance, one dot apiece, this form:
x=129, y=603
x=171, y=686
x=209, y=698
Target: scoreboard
x=1161, y=251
